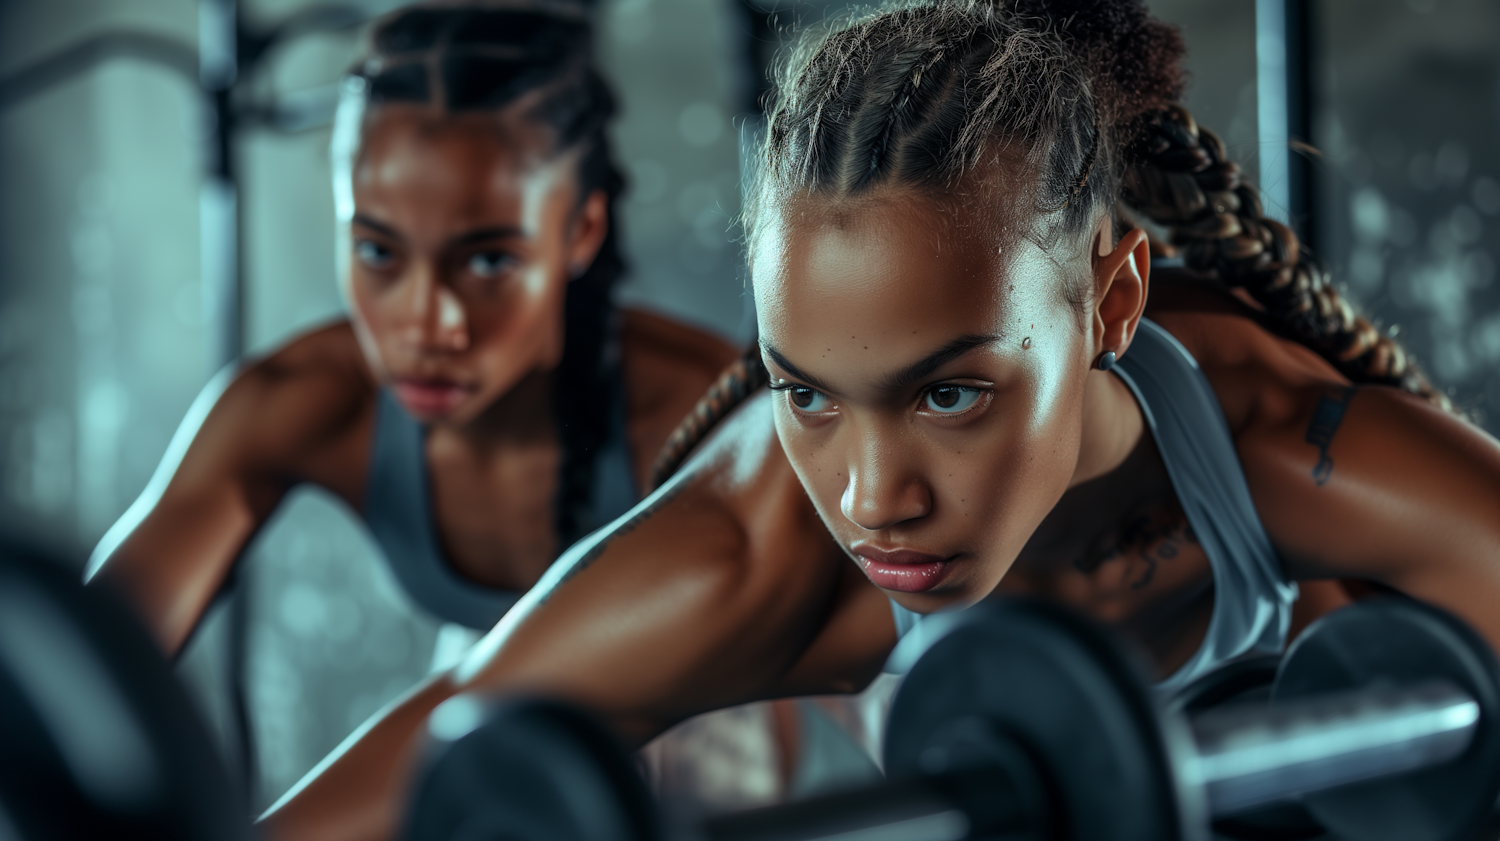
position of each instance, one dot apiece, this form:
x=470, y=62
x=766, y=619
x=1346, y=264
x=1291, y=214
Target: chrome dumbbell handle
x=1249, y=755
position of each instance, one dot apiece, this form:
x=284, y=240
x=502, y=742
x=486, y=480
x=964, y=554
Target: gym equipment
x=536, y=771
x=1249, y=680
x=1024, y=720
x=97, y=740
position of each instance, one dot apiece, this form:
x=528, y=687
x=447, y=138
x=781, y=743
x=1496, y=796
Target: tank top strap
x=1252, y=596
x=398, y=512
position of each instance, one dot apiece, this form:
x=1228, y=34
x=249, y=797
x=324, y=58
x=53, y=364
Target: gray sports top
x=1252, y=597
x=398, y=511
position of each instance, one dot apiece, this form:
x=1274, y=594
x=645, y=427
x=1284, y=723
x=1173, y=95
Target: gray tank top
x=398, y=511
x=1252, y=596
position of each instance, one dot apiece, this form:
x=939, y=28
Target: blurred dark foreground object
x=97, y=739
x=527, y=770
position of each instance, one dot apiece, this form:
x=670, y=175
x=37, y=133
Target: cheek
x=812, y=457
x=529, y=306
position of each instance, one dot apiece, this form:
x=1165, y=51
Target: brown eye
x=951, y=399
x=809, y=400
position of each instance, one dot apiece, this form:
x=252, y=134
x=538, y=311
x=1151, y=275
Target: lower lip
x=904, y=578
x=430, y=400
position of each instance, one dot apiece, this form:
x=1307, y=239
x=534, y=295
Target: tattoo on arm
x=1324, y=425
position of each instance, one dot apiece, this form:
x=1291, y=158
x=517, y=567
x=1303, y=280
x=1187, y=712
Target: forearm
x=360, y=792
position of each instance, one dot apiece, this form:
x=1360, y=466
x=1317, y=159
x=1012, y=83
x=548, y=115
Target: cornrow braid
x=537, y=56
x=1179, y=176
x=742, y=378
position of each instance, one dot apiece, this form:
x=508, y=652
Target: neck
x=1112, y=427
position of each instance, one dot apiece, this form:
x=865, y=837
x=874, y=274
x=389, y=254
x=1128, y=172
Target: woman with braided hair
x=485, y=405
x=971, y=392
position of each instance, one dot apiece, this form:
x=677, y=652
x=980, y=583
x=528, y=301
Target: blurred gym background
x=124, y=285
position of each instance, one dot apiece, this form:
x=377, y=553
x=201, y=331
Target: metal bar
x=1251, y=754
x=222, y=287
x=1284, y=100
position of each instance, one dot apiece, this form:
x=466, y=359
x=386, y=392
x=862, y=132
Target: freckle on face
x=818, y=280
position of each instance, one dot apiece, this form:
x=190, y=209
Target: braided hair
x=1083, y=96
x=466, y=57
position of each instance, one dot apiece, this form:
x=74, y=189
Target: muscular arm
x=721, y=588
x=1361, y=482
x=248, y=437
x=1374, y=483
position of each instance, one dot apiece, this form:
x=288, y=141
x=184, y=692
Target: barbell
x=1025, y=720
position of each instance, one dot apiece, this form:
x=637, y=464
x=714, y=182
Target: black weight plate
x=1403, y=642
x=1071, y=698
x=534, y=771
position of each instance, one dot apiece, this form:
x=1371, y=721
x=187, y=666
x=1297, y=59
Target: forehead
x=899, y=274
x=466, y=160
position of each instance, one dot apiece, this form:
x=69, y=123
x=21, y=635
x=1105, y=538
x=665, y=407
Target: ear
x=590, y=226
x=1122, y=274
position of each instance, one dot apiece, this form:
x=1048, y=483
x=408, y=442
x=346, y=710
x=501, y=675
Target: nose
x=881, y=491
x=436, y=320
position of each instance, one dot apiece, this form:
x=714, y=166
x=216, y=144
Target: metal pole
x=222, y=289
x=1284, y=99
x=218, y=67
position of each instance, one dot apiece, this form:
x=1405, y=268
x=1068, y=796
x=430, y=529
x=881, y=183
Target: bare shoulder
x=667, y=365
x=712, y=592
x=682, y=346
x=1350, y=481
x=290, y=410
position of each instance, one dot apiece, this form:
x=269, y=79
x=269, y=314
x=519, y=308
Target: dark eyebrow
x=376, y=226
x=896, y=380
x=467, y=238
x=900, y=380
x=795, y=372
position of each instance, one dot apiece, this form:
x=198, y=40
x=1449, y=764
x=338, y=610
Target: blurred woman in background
x=485, y=404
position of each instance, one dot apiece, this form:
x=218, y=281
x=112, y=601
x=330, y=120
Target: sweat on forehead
x=888, y=265
x=994, y=206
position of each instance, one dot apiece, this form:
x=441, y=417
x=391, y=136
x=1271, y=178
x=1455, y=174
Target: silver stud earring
x=1105, y=361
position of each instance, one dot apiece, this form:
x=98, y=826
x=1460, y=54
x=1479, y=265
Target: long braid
x=1179, y=176
x=741, y=379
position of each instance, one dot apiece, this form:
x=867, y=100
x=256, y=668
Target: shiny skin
x=741, y=584
x=464, y=236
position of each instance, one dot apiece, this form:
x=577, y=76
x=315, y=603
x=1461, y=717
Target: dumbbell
x=1024, y=720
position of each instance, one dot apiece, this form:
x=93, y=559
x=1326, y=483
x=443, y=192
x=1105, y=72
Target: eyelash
x=978, y=402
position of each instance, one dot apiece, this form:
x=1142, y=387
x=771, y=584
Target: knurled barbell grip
x=1249, y=755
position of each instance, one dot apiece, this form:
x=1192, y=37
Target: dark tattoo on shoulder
x=600, y=541
x=1324, y=425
